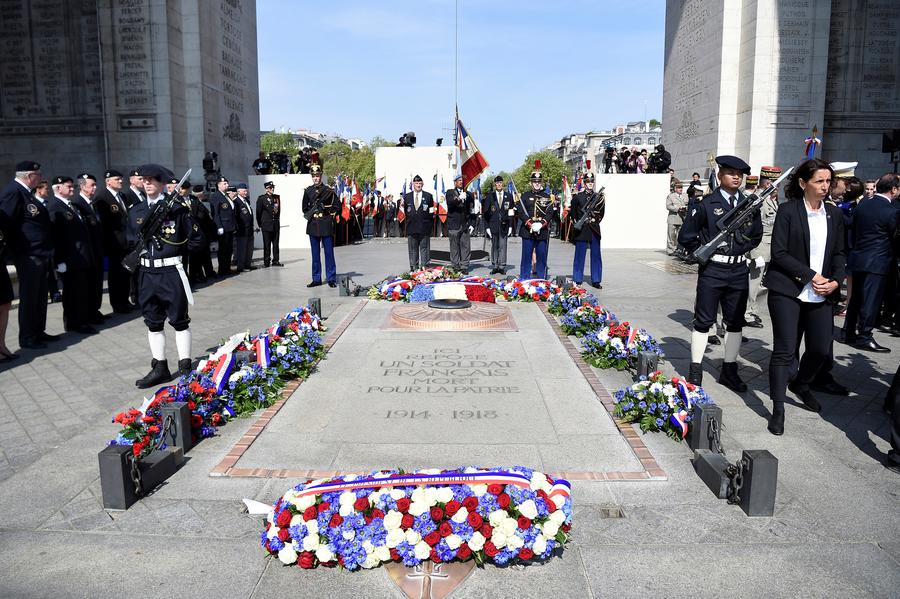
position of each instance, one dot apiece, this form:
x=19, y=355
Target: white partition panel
x=635, y=211
x=290, y=188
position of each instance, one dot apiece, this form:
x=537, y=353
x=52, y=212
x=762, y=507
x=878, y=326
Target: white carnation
x=444, y=495
x=324, y=554
x=310, y=542
x=395, y=537
x=476, y=543
x=422, y=550
x=453, y=541
x=392, y=520
x=540, y=544
x=528, y=509
x=460, y=516
x=498, y=538
x=287, y=555
x=412, y=537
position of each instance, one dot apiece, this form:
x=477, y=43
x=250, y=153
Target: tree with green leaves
x=340, y=159
x=552, y=169
x=277, y=142
x=655, y=123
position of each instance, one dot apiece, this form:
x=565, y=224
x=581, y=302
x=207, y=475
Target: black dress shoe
x=776, y=422
x=32, y=344
x=266, y=265
x=86, y=329
x=871, y=345
x=332, y=284
x=729, y=378
x=809, y=400
x=831, y=387
x=47, y=338
x=713, y=340
x=314, y=283
x=756, y=323
x=277, y=264
x=596, y=285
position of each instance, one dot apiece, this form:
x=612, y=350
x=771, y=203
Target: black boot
x=776, y=422
x=809, y=400
x=695, y=375
x=159, y=373
x=729, y=377
x=184, y=367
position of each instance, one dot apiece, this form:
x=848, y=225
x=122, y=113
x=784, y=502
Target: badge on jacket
x=114, y=208
x=718, y=211
x=32, y=210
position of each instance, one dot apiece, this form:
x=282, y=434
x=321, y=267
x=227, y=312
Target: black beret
x=242, y=186
x=198, y=188
x=86, y=176
x=417, y=178
x=186, y=185
x=134, y=173
x=111, y=173
x=155, y=171
x=60, y=179
x=734, y=162
x=222, y=179
x=173, y=180
x=27, y=165
x=231, y=188
x=268, y=184
x=498, y=178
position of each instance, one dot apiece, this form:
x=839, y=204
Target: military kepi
x=417, y=179
x=728, y=161
x=155, y=171
x=770, y=172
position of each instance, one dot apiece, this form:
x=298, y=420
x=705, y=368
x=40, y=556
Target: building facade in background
x=91, y=84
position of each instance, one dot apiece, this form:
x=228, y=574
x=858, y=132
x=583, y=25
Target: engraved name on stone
x=447, y=371
x=133, y=49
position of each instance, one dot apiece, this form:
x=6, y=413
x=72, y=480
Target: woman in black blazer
x=804, y=280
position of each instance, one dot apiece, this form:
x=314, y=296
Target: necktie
x=417, y=202
x=121, y=202
x=731, y=201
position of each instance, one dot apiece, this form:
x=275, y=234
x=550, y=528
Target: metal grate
x=611, y=510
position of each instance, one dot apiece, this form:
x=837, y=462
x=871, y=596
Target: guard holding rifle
x=536, y=208
x=161, y=229
x=723, y=279
x=588, y=210
x=320, y=207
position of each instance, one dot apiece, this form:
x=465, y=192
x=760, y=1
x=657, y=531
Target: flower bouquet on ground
x=529, y=290
x=392, y=290
x=616, y=345
x=432, y=274
x=561, y=302
x=660, y=403
x=584, y=319
x=498, y=516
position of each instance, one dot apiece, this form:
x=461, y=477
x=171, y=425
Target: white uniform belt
x=173, y=261
x=727, y=259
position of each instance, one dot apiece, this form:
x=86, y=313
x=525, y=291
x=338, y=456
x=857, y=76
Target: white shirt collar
x=819, y=212
x=28, y=189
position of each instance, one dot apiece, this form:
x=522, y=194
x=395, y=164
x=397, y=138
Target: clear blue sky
x=529, y=72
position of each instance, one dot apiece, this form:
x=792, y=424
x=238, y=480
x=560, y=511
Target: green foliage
x=552, y=168
x=655, y=123
x=277, y=142
x=340, y=159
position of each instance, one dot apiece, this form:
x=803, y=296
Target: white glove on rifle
x=488, y=233
x=221, y=230
x=471, y=229
x=61, y=267
x=536, y=227
x=760, y=262
x=431, y=210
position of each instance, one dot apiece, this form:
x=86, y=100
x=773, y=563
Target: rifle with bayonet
x=596, y=200
x=736, y=218
x=151, y=225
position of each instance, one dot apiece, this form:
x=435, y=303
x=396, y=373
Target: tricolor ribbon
x=223, y=371
x=263, y=356
x=501, y=477
x=274, y=330
x=632, y=337
x=679, y=419
x=685, y=396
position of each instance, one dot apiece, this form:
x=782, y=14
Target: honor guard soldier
x=499, y=214
x=110, y=205
x=243, y=234
x=536, y=209
x=459, y=206
x=163, y=289
x=419, y=208
x=268, y=218
x=589, y=234
x=31, y=245
x=320, y=206
x=724, y=280
x=84, y=203
x=74, y=257
x=223, y=215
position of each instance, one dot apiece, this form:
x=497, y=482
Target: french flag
x=263, y=356
x=472, y=160
x=223, y=371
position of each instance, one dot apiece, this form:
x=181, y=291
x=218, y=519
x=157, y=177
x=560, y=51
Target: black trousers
x=161, y=295
x=32, y=274
x=270, y=245
x=868, y=290
x=118, y=282
x=725, y=285
x=78, y=306
x=226, y=246
x=243, y=251
x=892, y=403
x=200, y=264
x=890, y=308
x=791, y=321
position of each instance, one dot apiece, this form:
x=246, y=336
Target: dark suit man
x=243, y=234
x=109, y=203
x=134, y=193
x=83, y=201
x=200, y=267
x=378, y=209
x=499, y=210
x=74, y=256
x=871, y=261
x=418, y=207
x=459, y=207
x=268, y=218
x=320, y=206
x=223, y=215
x=32, y=248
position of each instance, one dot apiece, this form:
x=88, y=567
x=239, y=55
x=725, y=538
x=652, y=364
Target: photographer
x=660, y=160
x=262, y=165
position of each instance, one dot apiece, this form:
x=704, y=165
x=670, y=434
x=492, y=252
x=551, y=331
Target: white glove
x=512, y=212
x=488, y=233
x=431, y=210
x=509, y=232
x=221, y=230
x=536, y=227
x=61, y=267
x=760, y=262
x=471, y=229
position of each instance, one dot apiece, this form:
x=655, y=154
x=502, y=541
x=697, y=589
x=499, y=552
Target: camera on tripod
x=407, y=140
x=211, y=170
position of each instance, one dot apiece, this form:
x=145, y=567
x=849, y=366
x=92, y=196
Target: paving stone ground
x=835, y=533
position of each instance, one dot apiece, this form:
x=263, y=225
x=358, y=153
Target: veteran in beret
x=222, y=207
x=111, y=207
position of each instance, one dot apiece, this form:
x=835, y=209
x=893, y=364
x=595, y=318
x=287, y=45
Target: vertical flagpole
x=456, y=61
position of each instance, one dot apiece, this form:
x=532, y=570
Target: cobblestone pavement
x=836, y=531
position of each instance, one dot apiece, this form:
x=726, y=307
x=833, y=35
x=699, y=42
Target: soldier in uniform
x=163, y=289
x=419, y=208
x=320, y=208
x=761, y=254
x=243, y=234
x=268, y=217
x=74, y=256
x=499, y=212
x=459, y=206
x=135, y=192
x=676, y=205
x=113, y=212
x=589, y=235
x=536, y=209
x=223, y=215
x=84, y=202
x=724, y=280
x=200, y=268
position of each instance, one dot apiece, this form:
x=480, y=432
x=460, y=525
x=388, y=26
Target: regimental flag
x=579, y=185
x=470, y=157
x=442, y=202
x=401, y=212
x=566, y=204
x=345, y=201
x=812, y=142
x=263, y=357
x=356, y=198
